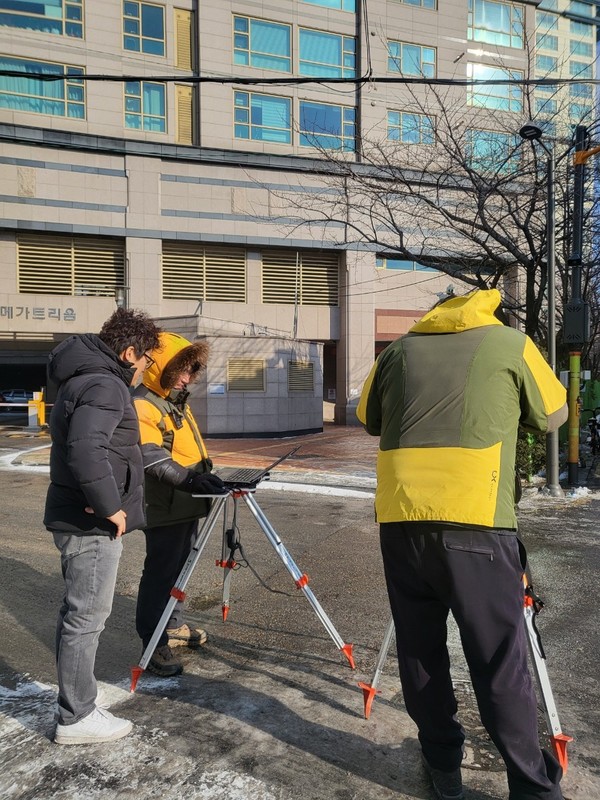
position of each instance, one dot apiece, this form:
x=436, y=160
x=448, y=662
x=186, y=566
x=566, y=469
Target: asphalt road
x=269, y=709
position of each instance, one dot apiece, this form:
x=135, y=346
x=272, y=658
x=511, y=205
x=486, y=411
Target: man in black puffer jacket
x=95, y=496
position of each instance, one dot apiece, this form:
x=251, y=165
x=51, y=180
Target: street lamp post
x=576, y=310
x=532, y=132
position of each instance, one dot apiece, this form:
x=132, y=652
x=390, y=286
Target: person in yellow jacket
x=446, y=401
x=176, y=465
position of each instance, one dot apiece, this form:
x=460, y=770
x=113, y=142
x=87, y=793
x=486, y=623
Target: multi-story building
x=145, y=156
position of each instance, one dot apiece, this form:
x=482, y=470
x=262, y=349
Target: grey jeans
x=89, y=567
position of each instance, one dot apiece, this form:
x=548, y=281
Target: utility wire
x=245, y=81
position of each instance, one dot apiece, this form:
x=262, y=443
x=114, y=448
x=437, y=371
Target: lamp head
x=531, y=132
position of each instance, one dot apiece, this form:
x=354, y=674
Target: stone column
x=356, y=347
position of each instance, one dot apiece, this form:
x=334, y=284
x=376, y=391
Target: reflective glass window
x=327, y=55
x=499, y=96
x=411, y=59
x=342, y=5
x=409, y=128
x=144, y=28
x=262, y=117
x=327, y=127
x=261, y=44
x=145, y=108
x=62, y=17
x=61, y=98
x=495, y=23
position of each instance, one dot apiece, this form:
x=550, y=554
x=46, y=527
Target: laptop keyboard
x=243, y=475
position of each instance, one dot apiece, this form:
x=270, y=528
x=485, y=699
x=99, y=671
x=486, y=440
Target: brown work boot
x=184, y=636
x=163, y=663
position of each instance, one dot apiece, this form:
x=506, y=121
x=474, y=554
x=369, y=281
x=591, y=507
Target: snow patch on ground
x=32, y=766
x=305, y=488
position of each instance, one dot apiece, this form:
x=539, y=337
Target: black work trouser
x=477, y=575
x=167, y=549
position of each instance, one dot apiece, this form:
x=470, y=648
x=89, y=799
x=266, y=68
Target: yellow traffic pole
x=573, y=404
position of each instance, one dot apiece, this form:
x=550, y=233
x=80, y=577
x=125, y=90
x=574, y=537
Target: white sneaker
x=99, y=726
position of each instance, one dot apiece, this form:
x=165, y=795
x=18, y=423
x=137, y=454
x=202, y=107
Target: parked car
x=16, y=396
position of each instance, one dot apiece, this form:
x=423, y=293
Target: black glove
x=202, y=483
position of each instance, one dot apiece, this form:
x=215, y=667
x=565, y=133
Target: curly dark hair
x=192, y=358
x=129, y=327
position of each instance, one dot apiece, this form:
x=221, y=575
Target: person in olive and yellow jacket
x=446, y=401
x=176, y=465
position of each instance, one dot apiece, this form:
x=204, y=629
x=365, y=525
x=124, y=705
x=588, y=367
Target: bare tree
x=453, y=187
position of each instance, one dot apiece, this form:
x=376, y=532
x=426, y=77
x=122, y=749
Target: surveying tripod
x=531, y=608
x=219, y=505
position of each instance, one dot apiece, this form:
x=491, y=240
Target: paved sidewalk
x=342, y=455
x=339, y=456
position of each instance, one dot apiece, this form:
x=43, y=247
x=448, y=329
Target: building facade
x=145, y=156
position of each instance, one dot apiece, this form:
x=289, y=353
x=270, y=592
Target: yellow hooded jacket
x=447, y=400
x=171, y=441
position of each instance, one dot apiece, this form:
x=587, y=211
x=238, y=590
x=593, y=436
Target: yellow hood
x=474, y=310
x=173, y=354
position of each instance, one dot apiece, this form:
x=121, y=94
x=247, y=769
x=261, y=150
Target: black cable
x=245, y=81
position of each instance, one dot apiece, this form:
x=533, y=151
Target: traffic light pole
x=552, y=446
x=576, y=321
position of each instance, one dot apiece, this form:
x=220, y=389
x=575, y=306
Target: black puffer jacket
x=96, y=458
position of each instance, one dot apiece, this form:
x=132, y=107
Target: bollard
x=36, y=411
x=32, y=414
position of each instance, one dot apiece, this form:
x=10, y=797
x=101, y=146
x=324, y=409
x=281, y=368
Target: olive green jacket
x=447, y=400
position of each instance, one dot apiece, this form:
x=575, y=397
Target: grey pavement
x=269, y=709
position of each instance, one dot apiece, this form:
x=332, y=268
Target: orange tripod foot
x=559, y=743
x=347, y=651
x=225, y=612
x=135, y=676
x=368, y=696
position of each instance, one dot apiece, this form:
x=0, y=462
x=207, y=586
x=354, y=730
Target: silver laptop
x=248, y=477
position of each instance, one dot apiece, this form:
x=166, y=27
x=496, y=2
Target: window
x=546, y=63
x=55, y=98
x=246, y=375
x=343, y=5
x=409, y=128
x=545, y=105
x=495, y=23
x=492, y=151
x=301, y=376
x=265, y=45
x=581, y=28
x=578, y=111
x=548, y=127
x=145, y=106
x=196, y=272
x=546, y=42
x=63, y=17
x=70, y=265
x=584, y=49
x=579, y=69
x=502, y=97
x=144, y=28
x=423, y=3
x=411, y=59
x=391, y=262
x=262, y=117
x=327, y=127
x=545, y=21
x=327, y=55
x=306, y=278
x=547, y=88
x=581, y=90
x=581, y=9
